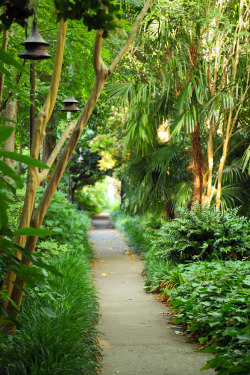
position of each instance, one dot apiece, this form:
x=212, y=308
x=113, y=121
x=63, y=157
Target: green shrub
x=203, y=233
x=210, y=298
x=212, y=302
x=88, y=202
x=131, y=226
x=56, y=332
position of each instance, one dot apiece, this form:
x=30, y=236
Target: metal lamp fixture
x=80, y=159
x=35, y=46
x=35, y=49
x=70, y=105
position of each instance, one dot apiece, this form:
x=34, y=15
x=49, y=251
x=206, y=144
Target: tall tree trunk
x=210, y=157
x=4, y=47
x=9, y=144
x=197, y=166
x=223, y=160
x=102, y=73
x=20, y=170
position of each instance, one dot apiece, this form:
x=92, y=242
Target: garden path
x=138, y=336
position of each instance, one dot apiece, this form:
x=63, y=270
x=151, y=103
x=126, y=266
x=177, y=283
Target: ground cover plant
x=198, y=262
x=56, y=331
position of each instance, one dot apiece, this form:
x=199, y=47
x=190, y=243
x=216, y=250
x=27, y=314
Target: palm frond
x=120, y=93
x=246, y=160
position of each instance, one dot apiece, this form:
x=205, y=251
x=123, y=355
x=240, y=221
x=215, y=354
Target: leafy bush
x=203, y=233
x=88, y=202
x=56, y=333
x=212, y=302
x=210, y=298
x=131, y=226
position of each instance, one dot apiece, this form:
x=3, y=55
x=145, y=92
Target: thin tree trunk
x=33, y=179
x=197, y=166
x=9, y=144
x=210, y=156
x=4, y=47
x=223, y=161
x=20, y=171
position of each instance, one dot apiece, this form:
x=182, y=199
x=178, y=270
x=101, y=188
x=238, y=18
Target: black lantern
x=35, y=46
x=70, y=105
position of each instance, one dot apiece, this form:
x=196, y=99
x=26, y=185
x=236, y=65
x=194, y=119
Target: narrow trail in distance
x=138, y=336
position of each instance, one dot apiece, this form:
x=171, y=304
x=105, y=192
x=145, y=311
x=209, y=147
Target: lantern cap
x=35, y=46
x=35, y=37
x=70, y=105
x=39, y=53
x=70, y=100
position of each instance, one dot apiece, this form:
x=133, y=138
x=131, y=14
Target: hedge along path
x=138, y=335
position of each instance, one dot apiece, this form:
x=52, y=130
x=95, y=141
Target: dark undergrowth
x=199, y=264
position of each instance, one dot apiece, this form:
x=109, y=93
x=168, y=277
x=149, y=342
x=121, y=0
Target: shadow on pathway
x=138, y=336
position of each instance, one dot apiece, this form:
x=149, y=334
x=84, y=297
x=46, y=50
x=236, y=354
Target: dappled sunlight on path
x=138, y=336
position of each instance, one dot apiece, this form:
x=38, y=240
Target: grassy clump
x=198, y=262
x=57, y=321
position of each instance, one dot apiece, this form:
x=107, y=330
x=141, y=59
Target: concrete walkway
x=138, y=336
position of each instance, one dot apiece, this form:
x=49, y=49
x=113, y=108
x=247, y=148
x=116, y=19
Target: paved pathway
x=138, y=336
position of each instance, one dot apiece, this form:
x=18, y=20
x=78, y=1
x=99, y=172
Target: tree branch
x=56, y=150
x=46, y=110
x=98, y=63
x=131, y=36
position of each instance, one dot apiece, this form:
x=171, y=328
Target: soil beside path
x=138, y=336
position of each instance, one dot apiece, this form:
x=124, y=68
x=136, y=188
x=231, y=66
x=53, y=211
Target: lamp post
x=35, y=49
x=70, y=105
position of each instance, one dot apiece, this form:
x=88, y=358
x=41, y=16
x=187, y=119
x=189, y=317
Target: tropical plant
x=183, y=62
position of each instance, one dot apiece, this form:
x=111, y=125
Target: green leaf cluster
x=213, y=305
x=203, y=233
x=16, y=11
x=96, y=15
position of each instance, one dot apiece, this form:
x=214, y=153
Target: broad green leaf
x=5, y=131
x=24, y=159
x=2, y=118
x=3, y=218
x=34, y=232
x=8, y=171
x=9, y=60
x=7, y=186
x=4, y=70
x=203, y=339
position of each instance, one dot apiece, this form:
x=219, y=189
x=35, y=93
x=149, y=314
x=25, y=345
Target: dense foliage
x=185, y=112
x=58, y=314
x=202, y=234
x=192, y=262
